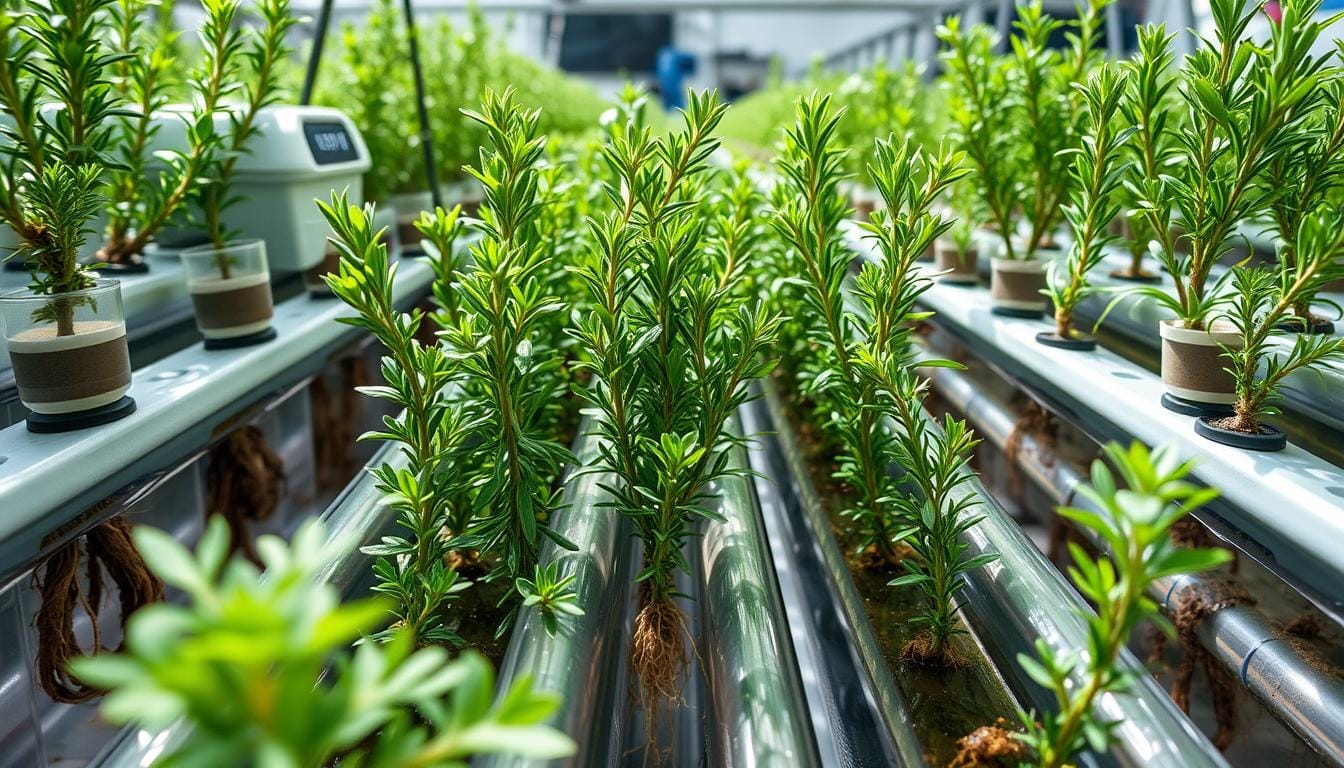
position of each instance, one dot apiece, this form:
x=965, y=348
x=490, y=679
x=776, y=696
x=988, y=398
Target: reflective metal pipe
x=757, y=711
x=859, y=716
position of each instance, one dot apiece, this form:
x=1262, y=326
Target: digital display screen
x=613, y=42
x=330, y=143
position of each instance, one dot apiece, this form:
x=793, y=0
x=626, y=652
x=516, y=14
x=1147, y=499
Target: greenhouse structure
x=636, y=383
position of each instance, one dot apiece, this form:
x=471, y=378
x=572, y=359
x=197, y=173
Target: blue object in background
x=673, y=67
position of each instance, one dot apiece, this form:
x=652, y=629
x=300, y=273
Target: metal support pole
x=1004, y=23
x=422, y=112
x=315, y=55
x=1115, y=32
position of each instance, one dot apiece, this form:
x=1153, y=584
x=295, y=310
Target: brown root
x=1191, y=534
x=467, y=563
x=108, y=552
x=921, y=650
x=335, y=420
x=1193, y=606
x=1039, y=424
x=246, y=480
x=1307, y=626
x=989, y=746
x=658, y=654
x=874, y=560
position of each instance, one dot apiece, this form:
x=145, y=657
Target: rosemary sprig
x=1098, y=172
x=1133, y=524
x=431, y=430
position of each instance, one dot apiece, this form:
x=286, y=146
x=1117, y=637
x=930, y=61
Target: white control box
x=298, y=154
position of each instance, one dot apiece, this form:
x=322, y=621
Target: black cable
x=315, y=55
x=426, y=139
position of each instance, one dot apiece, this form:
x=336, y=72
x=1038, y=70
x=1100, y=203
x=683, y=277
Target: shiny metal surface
x=857, y=712
x=757, y=711
x=586, y=661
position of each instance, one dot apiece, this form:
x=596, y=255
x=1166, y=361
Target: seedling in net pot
x=66, y=333
x=1261, y=301
x=1247, y=105
x=1098, y=172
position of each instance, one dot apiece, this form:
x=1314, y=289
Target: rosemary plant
x=142, y=203
x=982, y=114
x=504, y=369
x=809, y=211
x=441, y=231
x=430, y=431
x=550, y=594
x=671, y=350
x=1248, y=105
x=262, y=51
x=1262, y=300
x=56, y=52
x=274, y=647
x=1146, y=105
x=1306, y=176
x=142, y=81
x=1133, y=523
x=935, y=461
x=60, y=202
x=1098, y=170
x=54, y=158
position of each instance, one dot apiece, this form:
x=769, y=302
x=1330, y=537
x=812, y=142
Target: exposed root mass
x=658, y=654
x=988, y=746
x=921, y=650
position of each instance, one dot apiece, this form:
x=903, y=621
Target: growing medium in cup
x=230, y=289
x=1016, y=284
x=68, y=350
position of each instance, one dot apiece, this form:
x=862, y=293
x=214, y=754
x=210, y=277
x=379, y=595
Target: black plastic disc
x=1269, y=439
x=1191, y=408
x=1080, y=343
x=235, y=342
x=1319, y=326
x=1143, y=278
x=961, y=281
x=1025, y=314
x=51, y=423
x=320, y=294
x=125, y=267
x=16, y=265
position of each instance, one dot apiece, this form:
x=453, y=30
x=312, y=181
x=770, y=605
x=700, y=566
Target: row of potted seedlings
x=1072, y=153
x=79, y=154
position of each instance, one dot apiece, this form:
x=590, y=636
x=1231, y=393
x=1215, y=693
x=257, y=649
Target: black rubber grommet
x=1319, y=326
x=320, y=295
x=960, y=282
x=1024, y=314
x=261, y=337
x=1150, y=279
x=1269, y=439
x=16, y=265
x=1191, y=408
x=1078, y=343
x=52, y=423
x=125, y=267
